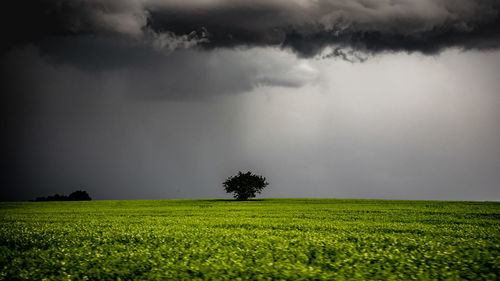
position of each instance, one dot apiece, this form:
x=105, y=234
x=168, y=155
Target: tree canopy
x=245, y=185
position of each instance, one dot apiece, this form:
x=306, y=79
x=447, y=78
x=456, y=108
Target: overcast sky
x=152, y=99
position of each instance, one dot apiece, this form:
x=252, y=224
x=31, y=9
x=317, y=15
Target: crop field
x=289, y=239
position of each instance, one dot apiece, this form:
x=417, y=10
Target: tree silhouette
x=79, y=195
x=245, y=185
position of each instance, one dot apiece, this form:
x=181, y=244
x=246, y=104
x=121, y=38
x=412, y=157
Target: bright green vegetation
x=259, y=239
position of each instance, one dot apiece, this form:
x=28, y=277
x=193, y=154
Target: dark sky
x=133, y=99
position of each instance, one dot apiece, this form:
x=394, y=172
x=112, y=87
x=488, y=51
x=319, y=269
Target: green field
x=259, y=239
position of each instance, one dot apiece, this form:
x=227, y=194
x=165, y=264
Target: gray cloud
x=307, y=27
x=184, y=73
x=191, y=74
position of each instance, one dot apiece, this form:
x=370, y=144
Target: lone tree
x=245, y=185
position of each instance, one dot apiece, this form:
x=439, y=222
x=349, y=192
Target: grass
x=287, y=239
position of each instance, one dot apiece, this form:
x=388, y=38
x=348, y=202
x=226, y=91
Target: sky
x=149, y=99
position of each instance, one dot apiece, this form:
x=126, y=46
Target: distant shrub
x=79, y=195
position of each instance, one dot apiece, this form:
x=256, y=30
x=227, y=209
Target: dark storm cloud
x=307, y=27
